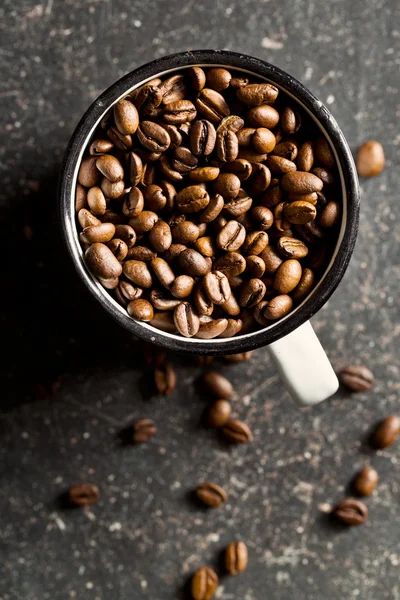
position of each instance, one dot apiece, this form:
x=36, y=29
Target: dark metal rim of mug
x=323, y=118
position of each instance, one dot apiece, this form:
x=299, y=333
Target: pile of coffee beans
x=209, y=204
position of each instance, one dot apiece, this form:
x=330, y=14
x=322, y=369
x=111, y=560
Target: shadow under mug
x=294, y=347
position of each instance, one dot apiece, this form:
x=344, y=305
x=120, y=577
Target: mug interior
x=346, y=236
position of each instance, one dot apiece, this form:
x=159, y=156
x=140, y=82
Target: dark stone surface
x=145, y=537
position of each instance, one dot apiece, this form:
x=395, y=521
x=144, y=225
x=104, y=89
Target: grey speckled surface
x=145, y=537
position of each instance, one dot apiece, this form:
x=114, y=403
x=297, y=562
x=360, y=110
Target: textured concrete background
x=145, y=537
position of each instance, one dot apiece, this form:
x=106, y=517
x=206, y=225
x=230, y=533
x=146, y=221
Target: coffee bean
x=300, y=212
x=162, y=301
x=160, y=236
x=255, y=94
x=193, y=263
x=83, y=494
x=227, y=146
x=203, y=360
x=236, y=558
x=197, y=78
x=351, y=512
x=255, y=242
x=330, y=215
x=164, y=379
x=179, y=112
x=370, y=159
x=365, y=481
x=212, y=328
x=206, y=246
x=262, y=217
x=324, y=154
x=133, y=203
x=162, y=271
x=182, y=160
x=100, y=146
x=271, y=259
x=96, y=201
x=280, y=166
x=287, y=276
x=141, y=253
x=278, y=307
x=120, y=140
x=216, y=286
x=98, y=233
x=231, y=236
x=143, y=222
x=135, y=166
x=251, y=155
x=87, y=219
x=263, y=116
x=211, y=494
x=202, y=137
x=273, y=194
x=192, y=199
x=212, y=105
x=217, y=385
x=301, y=182
x=236, y=432
x=118, y=248
x=154, y=198
x=204, y=584
x=286, y=150
x=258, y=313
x=233, y=328
x=204, y=174
x=291, y=248
x=304, y=286
x=126, y=117
x=185, y=232
x=230, y=306
x=147, y=97
x=173, y=89
x=357, y=378
x=164, y=321
x=219, y=413
x=182, y=287
x=290, y=120
x=255, y=266
x=143, y=431
x=311, y=198
x=186, y=320
x=88, y=175
x=129, y=291
x=260, y=180
x=213, y=209
x=218, y=79
x=239, y=357
x=138, y=272
x=230, y=123
x=140, y=309
x=386, y=433
x=110, y=167
x=251, y=293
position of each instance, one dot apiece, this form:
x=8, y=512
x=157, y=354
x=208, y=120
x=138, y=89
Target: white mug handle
x=303, y=366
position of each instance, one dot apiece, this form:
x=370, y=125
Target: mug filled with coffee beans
x=210, y=203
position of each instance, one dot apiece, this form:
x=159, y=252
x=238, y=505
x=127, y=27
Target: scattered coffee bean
x=211, y=494
x=208, y=184
x=204, y=584
x=165, y=379
x=237, y=432
x=217, y=385
x=239, y=357
x=365, y=481
x=386, y=432
x=236, y=558
x=219, y=413
x=370, y=159
x=357, y=378
x=143, y=430
x=351, y=512
x=83, y=494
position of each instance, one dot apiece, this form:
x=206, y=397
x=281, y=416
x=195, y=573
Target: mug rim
x=350, y=192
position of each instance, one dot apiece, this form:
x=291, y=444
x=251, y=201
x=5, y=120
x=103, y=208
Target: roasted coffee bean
x=153, y=137
x=129, y=291
x=370, y=159
x=212, y=105
x=258, y=313
x=173, y=89
x=263, y=140
x=286, y=150
x=203, y=304
x=273, y=195
x=174, y=135
x=263, y=116
x=164, y=321
x=162, y=301
x=118, y=248
x=186, y=320
x=212, y=328
x=120, y=140
x=126, y=117
x=305, y=156
x=365, y=481
x=140, y=309
x=109, y=284
x=83, y=494
x=230, y=123
x=165, y=379
x=251, y=155
x=98, y=233
x=138, y=272
x=154, y=198
x=193, y=263
x=202, y=137
x=251, y=293
x=238, y=82
x=136, y=169
x=287, y=276
x=255, y=266
x=351, y=512
x=170, y=194
x=311, y=198
x=87, y=219
x=143, y=222
x=305, y=285
x=88, y=175
x=80, y=197
x=262, y=217
x=255, y=242
x=260, y=179
x=219, y=413
x=133, y=203
x=141, y=253
x=278, y=307
x=179, y=112
x=218, y=79
x=192, y=199
x=239, y=357
x=100, y=146
x=239, y=167
x=173, y=252
x=182, y=287
x=185, y=232
x=148, y=97
x=291, y=248
x=162, y=271
x=111, y=216
x=227, y=185
x=227, y=147
x=236, y=558
x=231, y=236
x=216, y=286
x=182, y=160
x=110, y=167
x=237, y=432
x=143, y=431
x=330, y=215
x=300, y=212
x=217, y=385
x=206, y=246
x=204, y=584
x=238, y=207
x=325, y=176
x=233, y=328
x=357, y=378
x=280, y=166
x=386, y=432
x=230, y=306
x=271, y=259
x=204, y=174
x=219, y=223
x=255, y=94
x=197, y=78
x=211, y=494
x=324, y=154
x=290, y=121
x=160, y=236
x=213, y=209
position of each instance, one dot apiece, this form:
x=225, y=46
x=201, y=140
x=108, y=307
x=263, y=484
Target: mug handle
x=303, y=366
